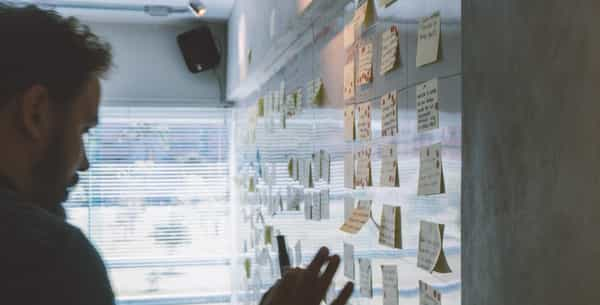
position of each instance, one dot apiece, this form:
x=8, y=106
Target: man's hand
x=308, y=286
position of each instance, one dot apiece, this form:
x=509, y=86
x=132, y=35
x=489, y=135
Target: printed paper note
x=389, y=114
x=428, y=112
x=365, y=63
x=349, y=177
x=428, y=295
x=428, y=43
x=325, y=204
x=366, y=277
x=349, y=261
x=389, y=274
x=431, y=251
x=363, y=167
x=349, y=82
x=358, y=218
x=390, y=232
x=349, y=125
x=390, y=41
x=364, y=121
x=431, y=174
x=389, y=166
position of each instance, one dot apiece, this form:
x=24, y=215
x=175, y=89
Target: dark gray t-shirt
x=44, y=260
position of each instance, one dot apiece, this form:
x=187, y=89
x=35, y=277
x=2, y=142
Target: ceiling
x=132, y=11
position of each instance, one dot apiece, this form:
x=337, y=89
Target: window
x=156, y=203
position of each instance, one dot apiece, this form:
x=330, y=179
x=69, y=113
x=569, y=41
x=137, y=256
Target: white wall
x=149, y=66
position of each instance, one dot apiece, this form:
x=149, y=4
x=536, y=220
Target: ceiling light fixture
x=197, y=7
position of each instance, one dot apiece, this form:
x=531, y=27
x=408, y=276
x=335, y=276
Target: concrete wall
x=531, y=154
x=149, y=66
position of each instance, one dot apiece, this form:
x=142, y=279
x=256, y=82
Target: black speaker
x=199, y=49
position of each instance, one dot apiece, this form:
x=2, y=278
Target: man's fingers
x=328, y=275
x=321, y=258
x=345, y=295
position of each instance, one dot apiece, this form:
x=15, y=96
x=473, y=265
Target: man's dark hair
x=39, y=47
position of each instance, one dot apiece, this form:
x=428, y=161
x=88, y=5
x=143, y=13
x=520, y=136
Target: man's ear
x=35, y=112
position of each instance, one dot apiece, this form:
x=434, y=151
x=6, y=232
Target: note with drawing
x=428, y=39
x=431, y=172
x=431, y=255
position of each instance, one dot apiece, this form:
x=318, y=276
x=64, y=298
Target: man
x=49, y=97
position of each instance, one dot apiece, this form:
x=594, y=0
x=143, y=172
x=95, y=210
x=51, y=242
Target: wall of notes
x=355, y=144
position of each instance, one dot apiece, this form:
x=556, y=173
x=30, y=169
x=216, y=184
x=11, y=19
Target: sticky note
x=431, y=174
x=316, y=207
x=390, y=42
x=389, y=166
x=390, y=232
x=365, y=14
x=366, y=277
x=365, y=63
x=363, y=167
x=349, y=81
x=428, y=39
x=308, y=204
x=431, y=255
x=428, y=295
x=389, y=114
x=389, y=274
x=349, y=261
x=428, y=109
x=358, y=218
x=364, y=121
x=349, y=125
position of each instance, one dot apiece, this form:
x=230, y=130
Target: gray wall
x=149, y=67
x=531, y=179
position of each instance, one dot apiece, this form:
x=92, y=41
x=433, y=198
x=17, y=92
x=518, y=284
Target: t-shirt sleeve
x=87, y=281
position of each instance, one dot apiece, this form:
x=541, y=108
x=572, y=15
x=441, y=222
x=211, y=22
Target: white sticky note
x=428, y=295
x=365, y=63
x=298, y=253
x=428, y=112
x=325, y=204
x=349, y=261
x=389, y=274
x=366, y=277
x=349, y=35
x=358, y=218
x=428, y=39
x=389, y=166
x=389, y=114
x=431, y=174
x=389, y=49
x=431, y=255
x=348, y=207
x=363, y=167
x=349, y=82
x=364, y=121
x=390, y=232
x=349, y=181
x=349, y=125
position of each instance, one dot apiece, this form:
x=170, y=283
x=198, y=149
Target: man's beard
x=49, y=179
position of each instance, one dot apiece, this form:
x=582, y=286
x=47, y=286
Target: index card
x=389, y=114
x=389, y=274
x=390, y=232
x=431, y=255
x=389, y=166
x=389, y=49
x=428, y=295
x=349, y=125
x=428, y=109
x=431, y=173
x=349, y=261
x=363, y=167
x=364, y=121
x=366, y=277
x=365, y=63
x=428, y=42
